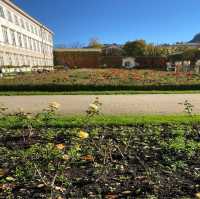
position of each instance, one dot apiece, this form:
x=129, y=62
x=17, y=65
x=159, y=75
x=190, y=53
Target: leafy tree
x=191, y=54
x=135, y=48
x=152, y=50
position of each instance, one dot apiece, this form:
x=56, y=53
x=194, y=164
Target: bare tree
x=95, y=43
x=76, y=45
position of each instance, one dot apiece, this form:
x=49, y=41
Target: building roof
x=15, y=7
x=187, y=44
x=77, y=50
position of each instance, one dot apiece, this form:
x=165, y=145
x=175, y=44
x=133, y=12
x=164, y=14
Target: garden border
x=79, y=87
x=79, y=121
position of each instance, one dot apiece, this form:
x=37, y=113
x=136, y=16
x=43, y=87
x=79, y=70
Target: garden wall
x=152, y=62
x=77, y=59
x=94, y=58
x=111, y=61
x=85, y=59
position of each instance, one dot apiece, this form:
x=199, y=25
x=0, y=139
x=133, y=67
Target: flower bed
x=91, y=161
x=154, y=161
x=102, y=80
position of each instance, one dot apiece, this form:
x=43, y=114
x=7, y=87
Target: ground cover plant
x=101, y=80
x=98, y=161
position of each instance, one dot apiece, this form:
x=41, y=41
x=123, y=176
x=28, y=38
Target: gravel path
x=112, y=104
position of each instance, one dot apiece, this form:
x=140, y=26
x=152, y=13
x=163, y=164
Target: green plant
x=3, y=109
x=188, y=107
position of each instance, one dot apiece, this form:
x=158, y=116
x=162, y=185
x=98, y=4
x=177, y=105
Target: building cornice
x=9, y=3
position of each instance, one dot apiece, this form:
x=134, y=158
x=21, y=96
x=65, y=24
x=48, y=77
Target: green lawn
x=78, y=121
x=29, y=93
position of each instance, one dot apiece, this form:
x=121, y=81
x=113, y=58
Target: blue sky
x=117, y=21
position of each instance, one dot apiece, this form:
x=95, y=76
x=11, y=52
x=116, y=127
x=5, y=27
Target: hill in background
x=196, y=39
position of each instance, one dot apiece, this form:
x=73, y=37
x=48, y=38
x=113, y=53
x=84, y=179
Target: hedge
x=72, y=88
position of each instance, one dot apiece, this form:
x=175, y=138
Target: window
x=5, y=34
x=22, y=23
x=10, y=63
x=1, y=61
x=40, y=32
x=13, y=40
x=16, y=20
x=2, y=12
x=34, y=45
x=38, y=46
x=17, y=60
x=30, y=43
x=25, y=41
x=27, y=26
x=32, y=29
x=10, y=16
x=49, y=37
x=23, y=60
x=36, y=42
x=35, y=30
x=19, y=39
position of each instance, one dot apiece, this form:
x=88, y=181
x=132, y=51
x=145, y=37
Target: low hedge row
x=72, y=88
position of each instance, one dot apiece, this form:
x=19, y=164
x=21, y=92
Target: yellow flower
x=198, y=195
x=2, y=172
x=10, y=178
x=54, y=105
x=65, y=157
x=60, y=146
x=3, y=108
x=77, y=147
x=94, y=107
x=83, y=135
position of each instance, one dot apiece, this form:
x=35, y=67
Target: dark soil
x=114, y=162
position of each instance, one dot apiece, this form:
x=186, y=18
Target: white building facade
x=23, y=40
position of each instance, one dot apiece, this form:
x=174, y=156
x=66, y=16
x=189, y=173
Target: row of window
x=25, y=24
x=17, y=39
x=22, y=60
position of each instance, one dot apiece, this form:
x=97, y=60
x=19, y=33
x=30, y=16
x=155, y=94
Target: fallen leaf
x=141, y=178
x=61, y=189
x=59, y=197
x=60, y=146
x=40, y=185
x=126, y=192
x=88, y=158
x=2, y=172
x=7, y=186
x=111, y=196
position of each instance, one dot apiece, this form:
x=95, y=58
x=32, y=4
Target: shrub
x=89, y=87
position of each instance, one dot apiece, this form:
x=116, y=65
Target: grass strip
x=79, y=121
x=29, y=93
